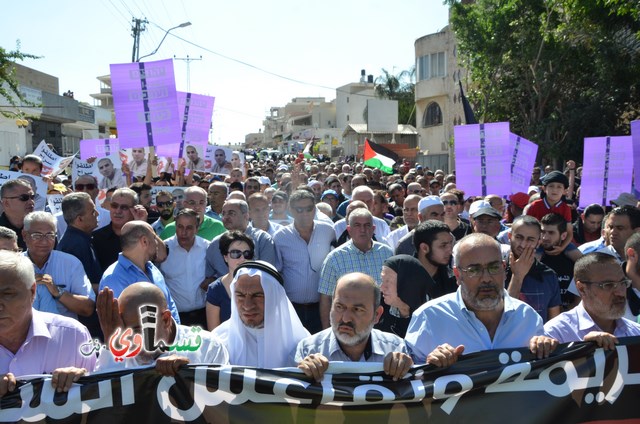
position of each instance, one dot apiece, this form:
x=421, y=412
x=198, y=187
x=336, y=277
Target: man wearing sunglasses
x=300, y=250
x=85, y=184
x=17, y=201
x=166, y=206
x=480, y=315
x=600, y=315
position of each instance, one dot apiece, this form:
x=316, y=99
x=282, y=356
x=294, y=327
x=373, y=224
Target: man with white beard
x=354, y=311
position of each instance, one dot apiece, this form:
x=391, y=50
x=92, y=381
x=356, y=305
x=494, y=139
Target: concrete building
x=438, y=106
x=58, y=119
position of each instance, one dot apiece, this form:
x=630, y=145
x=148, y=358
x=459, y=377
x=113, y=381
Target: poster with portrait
x=108, y=172
x=38, y=186
x=137, y=160
x=218, y=160
x=177, y=192
x=194, y=154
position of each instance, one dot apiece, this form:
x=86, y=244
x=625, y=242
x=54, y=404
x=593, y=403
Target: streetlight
x=182, y=25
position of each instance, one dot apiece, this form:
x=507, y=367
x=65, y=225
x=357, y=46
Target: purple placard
x=635, y=140
x=522, y=162
x=195, y=111
x=146, y=103
x=606, y=169
x=98, y=148
x=483, y=158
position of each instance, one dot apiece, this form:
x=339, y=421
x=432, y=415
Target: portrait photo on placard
x=220, y=158
x=110, y=172
x=194, y=155
x=137, y=161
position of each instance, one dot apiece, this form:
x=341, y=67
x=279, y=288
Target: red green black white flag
x=379, y=157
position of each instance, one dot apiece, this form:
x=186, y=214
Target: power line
x=284, y=77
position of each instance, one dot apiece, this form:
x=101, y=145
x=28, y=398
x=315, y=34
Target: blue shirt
x=123, y=273
x=67, y=273
x=78, y=244
x=447, y=320
x=348, y=258
x=264, y=251
x=326, y=344
x=540, y=288
x=300, y=263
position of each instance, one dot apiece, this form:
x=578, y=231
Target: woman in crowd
x=405, y=286
x=236, y=247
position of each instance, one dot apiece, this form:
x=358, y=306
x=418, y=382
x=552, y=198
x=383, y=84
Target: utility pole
x=188, y=60
x=139, y=25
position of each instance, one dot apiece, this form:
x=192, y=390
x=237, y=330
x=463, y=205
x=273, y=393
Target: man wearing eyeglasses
x=599, y=317
x=62, y=285
x=183, y=270
x=480, y=315
x=300, y=249
x=17, y=201
x=196, y=198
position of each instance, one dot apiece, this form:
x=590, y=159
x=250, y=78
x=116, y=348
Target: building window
x=431, y=66
x=432, y=115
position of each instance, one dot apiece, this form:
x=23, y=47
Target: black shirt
x=106, y=244
x=4, y=221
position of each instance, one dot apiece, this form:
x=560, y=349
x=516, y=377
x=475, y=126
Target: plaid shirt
x=348, y=258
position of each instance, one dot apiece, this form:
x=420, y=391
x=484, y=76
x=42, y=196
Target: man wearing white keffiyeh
x=264, y=327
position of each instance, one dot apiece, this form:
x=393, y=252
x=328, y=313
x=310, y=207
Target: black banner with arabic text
x=578, y=383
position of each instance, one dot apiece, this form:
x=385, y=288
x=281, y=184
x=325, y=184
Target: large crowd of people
x=296, y=262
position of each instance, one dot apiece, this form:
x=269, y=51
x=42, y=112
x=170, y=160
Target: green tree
x=558, y=70
x=8, y=84
x=399, y=87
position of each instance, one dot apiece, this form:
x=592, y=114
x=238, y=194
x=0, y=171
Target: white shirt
x=184, y=272
x=394, y=236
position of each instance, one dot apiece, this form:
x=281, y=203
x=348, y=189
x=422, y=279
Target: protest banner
x=82, y=167
x=52, y=163
x=177, y=192
x=483, y=154
x=606, y=169
x=522, y=162
x=54, y=201
x=578, y=383
x=98, y=148
x=146, y=103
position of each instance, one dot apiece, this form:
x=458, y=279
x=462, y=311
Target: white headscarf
x=270, y=346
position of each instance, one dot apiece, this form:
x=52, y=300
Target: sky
x=316, y=46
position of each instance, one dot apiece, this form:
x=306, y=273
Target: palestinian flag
x=379, y=157
x=308, y=149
